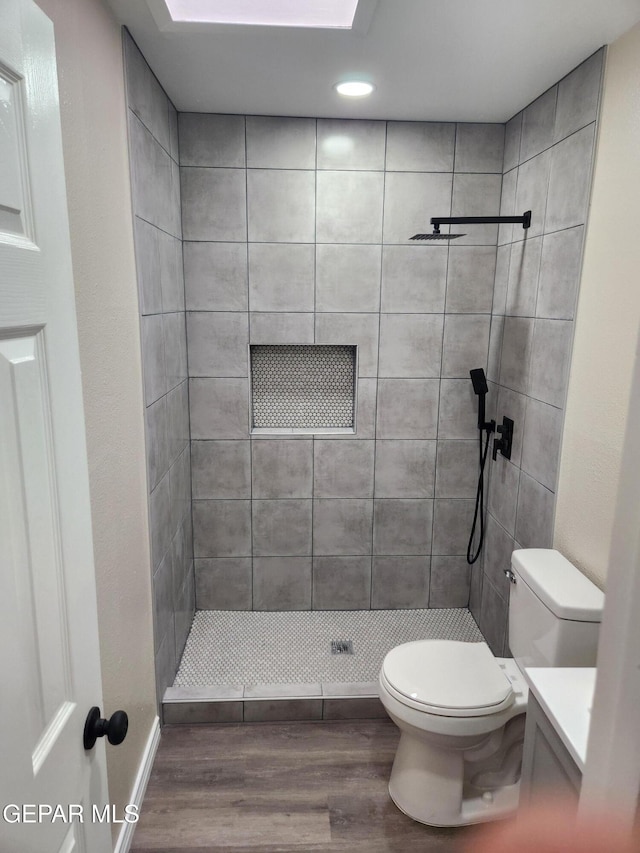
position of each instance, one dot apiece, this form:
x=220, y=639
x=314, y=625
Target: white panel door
x=49, y=656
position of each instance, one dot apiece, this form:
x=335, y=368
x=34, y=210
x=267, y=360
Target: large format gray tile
x=550, y=357
x=347, y=277
x=570, y=180
x=211, y=140
x=479, y=147
x=493, y=618
x=517, y=341
x=402, y=526
x=458, y=414
x=537, y=124
x=501, y=280
x=470, y=279
x=466, y=343
x=352, y=329
x=219, y=408
x=151, y=178
x=498, y=547
x=281, y=528
x=281, y=205
x=215, y=276
x=351, y=144
x=163, y=600
x=541, y=444
x=506, y=231
x=213, y=204
x=341, y=583
x=174, y=144
x=194, y=713
x=407, y=408
x=495, y=348
x=180, y=484
x=147, y=248
x=512, y=137
x=281, y=328
x=410, y=345
x=450, y=582
x=224, y=584
x=559, y=274
x=221, y=469
x=281, y=277
x=420, y=146
x=156, y=441
x=349, y=207
x=531, y=193
x=452, y=520
x=275, y=142
x=145, y=96
x=578, y=95
x=410, y=200
x=503, y=492
x=405, y=468
x=153, y=358
x=217, y=343
x=160, y=520
x=414, y=279
x=222, y=528
x=534, y=519
x=282, y=583
x=476, y=195
x=400, y=582
x=259, y=711
x=171, y=276
x=342, y=469
x=282, y=469
x=342, y=527
x=524, y=267
x=175, y=348
x=457, y=469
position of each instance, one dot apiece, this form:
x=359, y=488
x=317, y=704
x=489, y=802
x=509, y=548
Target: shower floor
x=240, y=665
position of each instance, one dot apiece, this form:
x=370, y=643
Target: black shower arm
x=524, y=220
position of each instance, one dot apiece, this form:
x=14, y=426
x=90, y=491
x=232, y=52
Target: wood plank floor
x=280, y=788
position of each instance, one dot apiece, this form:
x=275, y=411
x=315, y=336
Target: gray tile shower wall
x=549, y=149
x=153, y=141
x=297, y=231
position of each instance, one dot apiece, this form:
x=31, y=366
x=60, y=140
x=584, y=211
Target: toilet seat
x=447, y=678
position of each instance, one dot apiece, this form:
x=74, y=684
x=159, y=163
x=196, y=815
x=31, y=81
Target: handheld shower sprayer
x=481, y=389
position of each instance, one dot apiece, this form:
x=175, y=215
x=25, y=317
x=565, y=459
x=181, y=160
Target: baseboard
x=140, y=786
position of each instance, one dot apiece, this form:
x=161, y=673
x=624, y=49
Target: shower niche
x=303, y=388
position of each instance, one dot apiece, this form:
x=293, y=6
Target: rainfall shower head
x=436, y=236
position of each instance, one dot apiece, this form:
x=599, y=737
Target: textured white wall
x=607, y=325
x=90, y=72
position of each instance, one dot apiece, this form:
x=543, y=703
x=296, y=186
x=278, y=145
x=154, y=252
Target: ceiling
x=438, y=60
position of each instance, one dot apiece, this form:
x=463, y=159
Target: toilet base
x=427, y=785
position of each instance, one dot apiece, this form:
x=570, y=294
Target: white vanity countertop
x=566, y=695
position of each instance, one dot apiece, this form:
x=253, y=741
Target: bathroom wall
x=549, y=151
x=153, y=150
x=607, y=328
x=94, y=130
x=296, y=231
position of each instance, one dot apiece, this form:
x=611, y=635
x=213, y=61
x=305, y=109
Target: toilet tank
x=554, y=611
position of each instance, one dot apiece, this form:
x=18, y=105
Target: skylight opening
x=319, y=14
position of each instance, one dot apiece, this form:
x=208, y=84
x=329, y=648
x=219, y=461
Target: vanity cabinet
x=548, y=769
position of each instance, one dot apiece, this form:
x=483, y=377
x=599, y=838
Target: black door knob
x=115, y=728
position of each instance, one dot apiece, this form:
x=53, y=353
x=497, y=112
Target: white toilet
x=461, y=710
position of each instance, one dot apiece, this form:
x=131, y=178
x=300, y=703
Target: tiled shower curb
x=253, y=703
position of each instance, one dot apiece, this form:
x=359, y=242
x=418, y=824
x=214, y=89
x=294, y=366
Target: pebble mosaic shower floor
x=239, y=647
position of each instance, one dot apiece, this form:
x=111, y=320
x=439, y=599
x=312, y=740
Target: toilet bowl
x=449, y=769
x=461, y=711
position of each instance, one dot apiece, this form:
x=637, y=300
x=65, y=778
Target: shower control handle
x=115, y=728
x=503, y=444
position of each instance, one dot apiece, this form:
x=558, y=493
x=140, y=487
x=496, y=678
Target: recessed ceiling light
x=354, y=88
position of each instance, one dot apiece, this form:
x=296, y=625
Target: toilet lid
x=450, y=678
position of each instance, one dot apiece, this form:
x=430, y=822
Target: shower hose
x=479, y=510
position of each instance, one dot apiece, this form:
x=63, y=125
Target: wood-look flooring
x=280, y=788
